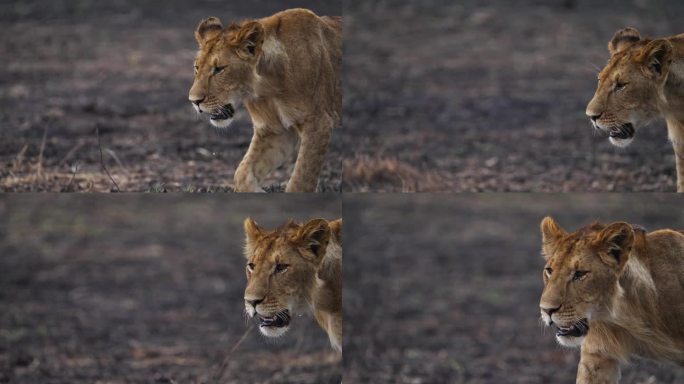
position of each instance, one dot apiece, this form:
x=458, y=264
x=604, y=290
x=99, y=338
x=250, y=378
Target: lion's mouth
x=279, y=320
x=577, y=329
x=224, y=113
x=623, y=132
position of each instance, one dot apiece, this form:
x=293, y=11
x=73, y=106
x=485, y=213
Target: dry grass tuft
x=389, y=175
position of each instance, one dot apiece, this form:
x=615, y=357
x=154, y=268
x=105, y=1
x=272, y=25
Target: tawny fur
x=652, y=72
x=313, y=280
x=285, y=69
x=633, y=293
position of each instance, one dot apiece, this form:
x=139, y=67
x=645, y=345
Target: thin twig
x=99, y=145
x=19, y=158
x=73, y=176
x=219, y=373
x=42, y=148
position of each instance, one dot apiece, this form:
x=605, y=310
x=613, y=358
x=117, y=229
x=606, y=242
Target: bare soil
x=144, y=289
x=489, y=95
x=124, y=67
x=445, y=289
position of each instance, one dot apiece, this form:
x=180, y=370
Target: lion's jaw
x=569, y=334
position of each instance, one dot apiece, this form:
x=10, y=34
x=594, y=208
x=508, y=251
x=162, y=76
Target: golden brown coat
x=294, y=269
x=285, y=69
x=643, y=81
x=616, y=292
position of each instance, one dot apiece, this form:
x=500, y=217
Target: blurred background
x=445, y=289
x=125, y=67
x=144, y=289
x=489, y=95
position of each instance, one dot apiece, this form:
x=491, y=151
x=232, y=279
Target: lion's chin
x=274, y=331
x=622, y=143
x=221, y=123
x=622, y=135
x=570, y=341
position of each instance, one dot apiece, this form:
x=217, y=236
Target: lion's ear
x=208, y=29
x=615, y=243
x=550, y=230
x=314, y=236
x=252, y=230
x=248, y=39
x=656, y=57
x=622, y=39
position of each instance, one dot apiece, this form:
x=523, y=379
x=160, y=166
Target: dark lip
x=280, y=320
x=225, y=113
x=578, y=329
x=624, y=132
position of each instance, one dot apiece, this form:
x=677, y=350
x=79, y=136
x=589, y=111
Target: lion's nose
x=550, y=311
x=254, y=303
x=594, y=117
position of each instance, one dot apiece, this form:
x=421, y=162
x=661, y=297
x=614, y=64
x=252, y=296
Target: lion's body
x=312, y=281
x=643, y=81
x=290, y=82
x=633, y=295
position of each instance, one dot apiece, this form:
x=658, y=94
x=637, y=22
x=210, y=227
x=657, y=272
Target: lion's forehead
x=621, y=64
x=575, y=249
x=272, y=250
x=569, y=261
x=211, y=51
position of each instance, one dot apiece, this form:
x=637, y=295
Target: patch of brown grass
x=28, y=179
x=365, y=173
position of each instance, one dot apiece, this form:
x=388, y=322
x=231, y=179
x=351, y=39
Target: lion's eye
x=548, y=271
x=579, y=275
x=619, y=87
x=280, y=268
x=250, y=267
x=217, y=70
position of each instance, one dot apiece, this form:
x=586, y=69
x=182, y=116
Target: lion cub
x=294, y=269
x=615, y=291
x=643, y=81
x=285, y=69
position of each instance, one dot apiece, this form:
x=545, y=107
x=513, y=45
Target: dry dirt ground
x=144, y=289
x=125, y=67
x=489, y=95
x=445, y=289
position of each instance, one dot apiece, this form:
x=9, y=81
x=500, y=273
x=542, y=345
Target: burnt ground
x=126, y=67
x=487, y=95
x=144, y=289
x=445, y=289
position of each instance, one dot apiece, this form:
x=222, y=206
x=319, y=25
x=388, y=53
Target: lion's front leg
x=596, y=369
x=267, y=151
x=315, y=139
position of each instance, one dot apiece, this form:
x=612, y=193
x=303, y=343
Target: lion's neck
x=325, y=294
x=632, y=325
x=326, y=291
x=673, y=104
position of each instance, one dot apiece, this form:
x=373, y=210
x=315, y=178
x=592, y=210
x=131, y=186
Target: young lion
x=286, y=70
x=643, y=81
x=294, y=269
x=615, y=291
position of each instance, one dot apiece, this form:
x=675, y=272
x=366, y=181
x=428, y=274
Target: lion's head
x=581, y=276
x=281, y=271
x=224, y=67
x=630, y=86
